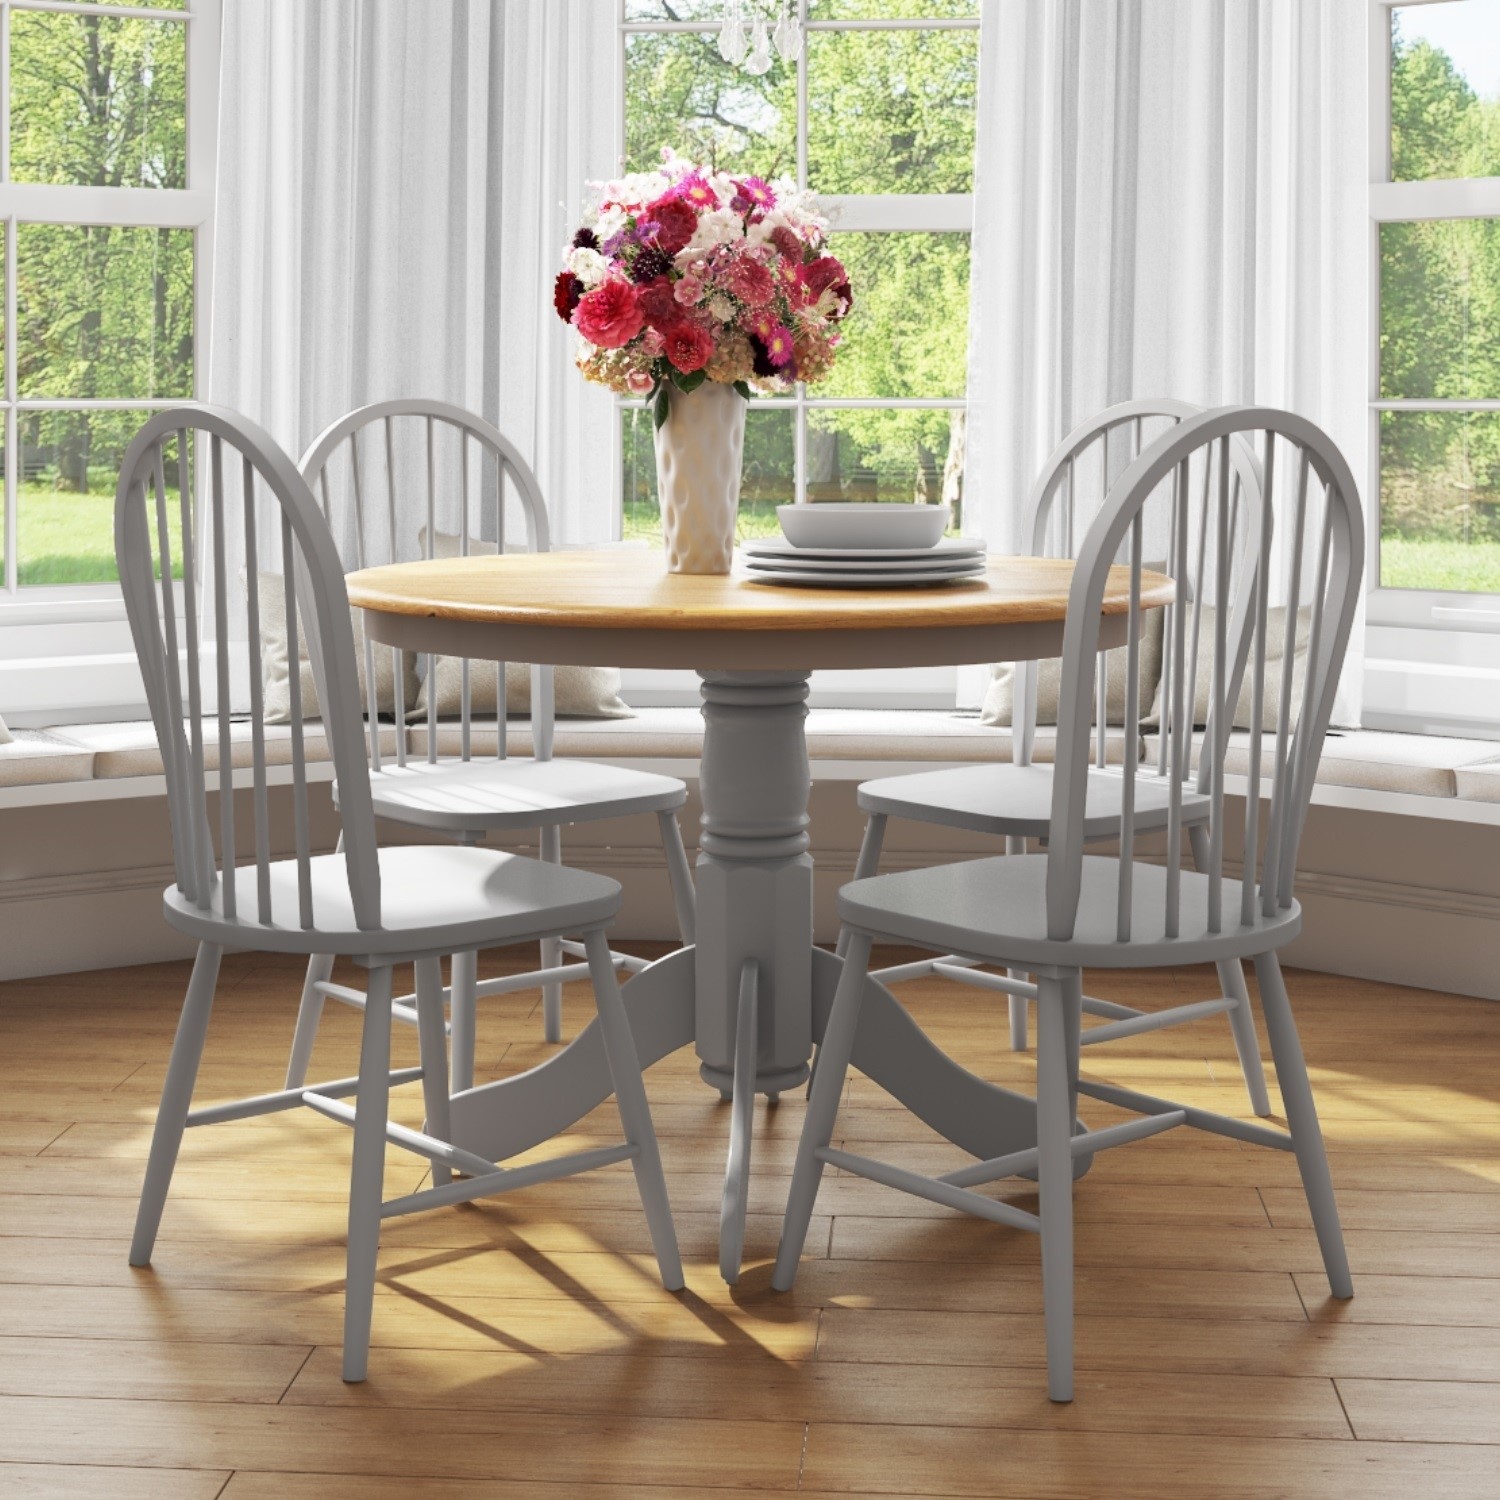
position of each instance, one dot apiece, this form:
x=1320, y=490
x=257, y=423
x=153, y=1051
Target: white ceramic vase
x=699, y=451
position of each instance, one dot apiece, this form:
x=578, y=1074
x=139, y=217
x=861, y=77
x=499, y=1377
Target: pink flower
x=779, y=347
x=610, y=315
x=752, y=192
x=698, y=192
x=762, y=325
x=689, y=291
x=822, y=274
x=640, y=381
x=788, y=243
x=750, y=282
x=689, y=346
x=652, y=343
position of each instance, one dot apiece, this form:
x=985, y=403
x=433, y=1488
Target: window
x=877, y=117
x=1434, y=565
x=106, y=197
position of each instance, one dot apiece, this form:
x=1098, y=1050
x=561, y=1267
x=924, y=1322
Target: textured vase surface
x=699, y=451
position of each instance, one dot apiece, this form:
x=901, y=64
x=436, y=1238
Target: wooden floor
x=524, y=1348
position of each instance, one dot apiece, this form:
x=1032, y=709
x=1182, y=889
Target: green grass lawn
x=70, y=538
x=1418, y=563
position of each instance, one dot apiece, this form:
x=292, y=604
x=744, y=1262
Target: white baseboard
x=1365, y=927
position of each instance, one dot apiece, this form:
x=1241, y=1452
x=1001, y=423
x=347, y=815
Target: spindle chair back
x=367, y=469
x=1318, y=572
x=245, y=468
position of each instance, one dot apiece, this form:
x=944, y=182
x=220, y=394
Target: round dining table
x=753, y=992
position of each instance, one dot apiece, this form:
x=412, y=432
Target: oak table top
x=616, y=607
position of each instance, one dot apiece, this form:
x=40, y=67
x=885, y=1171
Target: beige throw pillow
x=998, y=707
x=276, y=683
x=1275, y=656
x=578, y=692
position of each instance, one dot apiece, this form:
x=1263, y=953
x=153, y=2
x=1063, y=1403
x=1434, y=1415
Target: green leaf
x=686, y=383
x=662, y=407
x=743, y=387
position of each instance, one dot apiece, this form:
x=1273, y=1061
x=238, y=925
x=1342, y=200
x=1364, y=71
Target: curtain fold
x=1169, y=201
x=396, y=182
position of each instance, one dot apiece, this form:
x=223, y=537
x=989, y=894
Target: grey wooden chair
x=377, y=907
x=358, y=467
x=1013, y=800
x=1058, y=912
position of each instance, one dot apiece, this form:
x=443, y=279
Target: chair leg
x=1302, y=1119
x=551, y=852
x=367, y=1174
x=434, y=1054
x=462, y=1008
x=176, y=1100
x=679, y=872
x=309, y=1014
x=822, y=1107
x=1058, y=1016
x=1232, y=984
x=1018, y=1039
x=866, y=864
x=635, y=1113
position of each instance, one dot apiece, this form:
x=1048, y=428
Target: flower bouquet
x=694, y=288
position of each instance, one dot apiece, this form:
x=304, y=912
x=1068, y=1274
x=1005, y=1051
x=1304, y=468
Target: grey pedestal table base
x=754, y=993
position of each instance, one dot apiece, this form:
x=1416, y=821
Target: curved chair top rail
x=391, y=420
x=1047, y=527
x=1320, y=571
x=170, y=648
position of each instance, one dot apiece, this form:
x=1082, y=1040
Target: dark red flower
x=585, y=239
x=788, y=243
x=675, y=222
x=823, y=274
x=657, y=304
x=689, y=346
x=649, y=262
x=566, y=291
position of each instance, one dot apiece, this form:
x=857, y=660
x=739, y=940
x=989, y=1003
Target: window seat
x=1415, y=774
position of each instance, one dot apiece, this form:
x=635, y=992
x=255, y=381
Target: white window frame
x=1432, y=657
x=65, y=650
x=869, y=213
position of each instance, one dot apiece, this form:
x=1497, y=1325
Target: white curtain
x=1169, y=201
x=396, y=182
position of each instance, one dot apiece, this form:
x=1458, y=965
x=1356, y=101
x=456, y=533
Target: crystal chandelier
x=746, y=35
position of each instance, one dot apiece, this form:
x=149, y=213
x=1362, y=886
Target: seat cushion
x=996, y=910
x=34, y=758
x=129, y=747
x=1479, y=783
x=461, y=796
x=433, y=899
x=1016, y=801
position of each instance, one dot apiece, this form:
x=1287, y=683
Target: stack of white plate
x=775, y=560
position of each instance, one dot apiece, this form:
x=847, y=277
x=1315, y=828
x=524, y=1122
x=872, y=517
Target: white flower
x=588, y=265
x=717, y=227
x=722, y=309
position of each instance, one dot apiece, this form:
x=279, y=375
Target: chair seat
x=1016, y=801
x=433, y=899
x=462, y=796
x=996, y=910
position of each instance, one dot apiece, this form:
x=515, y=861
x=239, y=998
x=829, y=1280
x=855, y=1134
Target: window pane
x=1440, y=501
x=1440, y=309
x=70, y=461
x=104, y=312
x=908, y=332
x=891, y=111
x=770, y=453
x=883, y=10
x=1445, y=90
x=680, y=93
x=97, y=100
x=907, y=456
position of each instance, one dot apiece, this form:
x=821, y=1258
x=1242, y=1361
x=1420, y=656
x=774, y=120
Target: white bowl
x=860, y=524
